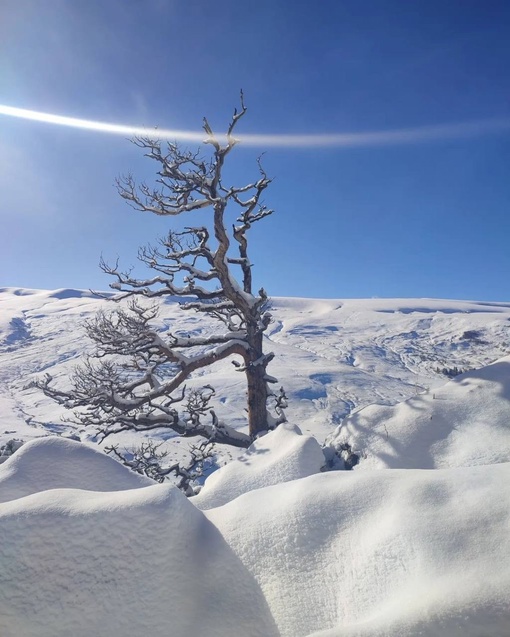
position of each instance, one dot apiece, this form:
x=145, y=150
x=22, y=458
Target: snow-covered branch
x=138, y=372
x=149, y=460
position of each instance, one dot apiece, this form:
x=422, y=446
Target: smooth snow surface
x=464, y=423
x=380, y=554
x=53, y=463
x=121, y=564
x=361, y=553
x=279, y=456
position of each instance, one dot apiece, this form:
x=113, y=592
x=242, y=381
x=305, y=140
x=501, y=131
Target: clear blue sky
x=422, y=219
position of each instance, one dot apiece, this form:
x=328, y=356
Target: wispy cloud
x=394, y=137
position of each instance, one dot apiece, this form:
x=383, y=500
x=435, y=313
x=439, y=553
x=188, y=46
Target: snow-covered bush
x=10, y=447
x=149, y=460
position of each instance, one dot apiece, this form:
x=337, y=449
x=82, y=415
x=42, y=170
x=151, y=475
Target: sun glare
x=338, y=140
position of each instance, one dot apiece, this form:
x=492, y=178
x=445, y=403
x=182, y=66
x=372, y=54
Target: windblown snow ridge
x=393, y=553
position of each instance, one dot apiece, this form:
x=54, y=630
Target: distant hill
x=333, y=357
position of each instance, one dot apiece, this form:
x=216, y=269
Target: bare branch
x=136, y=377
x=148, y=460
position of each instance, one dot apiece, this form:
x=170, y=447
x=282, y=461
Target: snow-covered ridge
x=393, y=553
x=272, y=546
x=332, y=356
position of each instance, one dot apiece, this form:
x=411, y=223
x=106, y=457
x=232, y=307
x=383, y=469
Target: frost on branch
x=136, y=377
x=149, y=461
x=134, y=381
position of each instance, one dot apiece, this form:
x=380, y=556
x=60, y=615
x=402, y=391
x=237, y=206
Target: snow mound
x=280, y=456
x=380, y=554
x=466, y=422
x=121, y=564
x=53, y=463
x=70, y=293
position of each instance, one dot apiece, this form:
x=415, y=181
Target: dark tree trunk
x=257, y=384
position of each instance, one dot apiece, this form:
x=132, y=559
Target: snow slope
x=466, y=422
x=121, y=564
x=380, y=554
x=332, y=356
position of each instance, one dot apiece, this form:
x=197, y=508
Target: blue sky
x=428, y=218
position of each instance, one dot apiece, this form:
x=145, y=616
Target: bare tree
x=149, y=461
x=200, y=266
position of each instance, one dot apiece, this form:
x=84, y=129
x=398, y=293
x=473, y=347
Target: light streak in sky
x=394, y=137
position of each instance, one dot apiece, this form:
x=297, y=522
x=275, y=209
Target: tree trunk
x=257, y=385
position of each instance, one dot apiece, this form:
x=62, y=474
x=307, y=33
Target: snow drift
x=52, y=463
x=361, y=554
x=280, y=456
x=465, y=422
x=121, y=564
x=380, y=554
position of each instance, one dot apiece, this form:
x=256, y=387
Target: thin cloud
x=396, y=137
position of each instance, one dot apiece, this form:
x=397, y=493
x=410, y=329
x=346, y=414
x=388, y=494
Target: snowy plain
x=414, y=541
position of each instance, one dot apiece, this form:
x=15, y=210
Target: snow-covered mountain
x=333, y=357
x=413, y=541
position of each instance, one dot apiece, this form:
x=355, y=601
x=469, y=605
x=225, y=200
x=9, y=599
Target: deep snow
x=380, y=554
x=465, y=422
x=121, y=564
x=413, y=542
x=363, y=553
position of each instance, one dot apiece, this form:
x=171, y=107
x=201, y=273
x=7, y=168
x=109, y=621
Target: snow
x=53, y=463
x=380, y=554
x=359, y=553
x=332, y=356
x=464, y=423
x=413, y=542
x=121, y=564
x=280, y=456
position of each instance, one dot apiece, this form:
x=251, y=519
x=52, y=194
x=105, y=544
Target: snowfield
x=332, y=356
x=464, y=423
x=413, y=542
x=391, y=554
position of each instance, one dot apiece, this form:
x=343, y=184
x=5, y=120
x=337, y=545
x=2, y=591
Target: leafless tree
x=149, y=461
x=201, y=266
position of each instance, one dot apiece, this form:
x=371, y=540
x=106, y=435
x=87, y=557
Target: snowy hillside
x=332, y=357
x=413, y=542
x=464, y=423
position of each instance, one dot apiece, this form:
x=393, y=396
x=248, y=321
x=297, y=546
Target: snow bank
x=380, y=554
x=394, y=553
x=52, y=463
x=280, y=456
x=464, y=423
x=121, y=564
